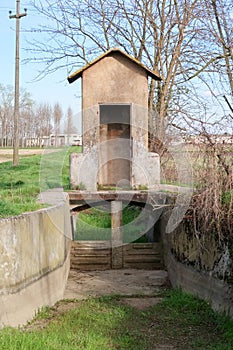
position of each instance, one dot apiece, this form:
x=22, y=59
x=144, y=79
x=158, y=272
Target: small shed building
x=115, y=125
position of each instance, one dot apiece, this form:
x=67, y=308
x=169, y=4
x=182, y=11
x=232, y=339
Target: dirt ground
x=130, y=283
x=7, y=154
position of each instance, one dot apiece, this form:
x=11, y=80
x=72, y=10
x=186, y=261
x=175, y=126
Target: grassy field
x=20, y=185
x=191, y=157
x=95, y=224
x=178, y=322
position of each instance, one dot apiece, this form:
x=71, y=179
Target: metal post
x=17, y=16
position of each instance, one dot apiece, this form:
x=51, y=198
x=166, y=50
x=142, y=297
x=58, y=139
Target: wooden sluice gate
x=114, y=253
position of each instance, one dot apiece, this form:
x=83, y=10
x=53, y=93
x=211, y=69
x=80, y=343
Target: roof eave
x=78, y=74
x=71, y=78
x=153, y=75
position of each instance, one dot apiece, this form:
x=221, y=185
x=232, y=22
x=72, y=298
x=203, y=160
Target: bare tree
x=26, y=104
x=44, y=116
x=6, y=114
x=69, y=124
x=189, y=42
x=223, y=14
x=57, y=116
x=220, y=29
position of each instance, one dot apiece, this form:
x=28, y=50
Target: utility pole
x=17, y=16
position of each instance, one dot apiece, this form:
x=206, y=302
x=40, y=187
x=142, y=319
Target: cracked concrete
x=127, y=282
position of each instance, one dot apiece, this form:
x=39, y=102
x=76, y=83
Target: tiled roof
x=78, y=74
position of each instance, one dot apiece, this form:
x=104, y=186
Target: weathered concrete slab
x=82, y=285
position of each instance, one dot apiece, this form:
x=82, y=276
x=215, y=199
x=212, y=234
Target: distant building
x=53, y=140
x=224, y=139
x=65, y=140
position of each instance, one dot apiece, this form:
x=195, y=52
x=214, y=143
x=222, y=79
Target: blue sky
x=53, y=88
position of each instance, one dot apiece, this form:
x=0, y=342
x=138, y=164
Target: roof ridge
x=77, y=74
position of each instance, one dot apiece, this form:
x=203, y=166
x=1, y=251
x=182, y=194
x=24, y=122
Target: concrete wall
x=90, y=128
x=139, y=124
x=145, y=167
x=202, y=266
x=34, y=262
x=84, y=170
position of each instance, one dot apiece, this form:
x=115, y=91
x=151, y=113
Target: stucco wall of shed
x=114, y=79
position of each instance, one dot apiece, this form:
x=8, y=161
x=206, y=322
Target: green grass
x=95, y=224
x=20, y=185
x=180, y=320
x=194, y=322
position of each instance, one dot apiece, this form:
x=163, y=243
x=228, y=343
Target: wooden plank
x=96, y=255
x=144, y=245
x=141, y=252
x=91, y=260
x=140, y=259
x=91, y=255
x=90, y=248
x=90, y=267
x=91, y=252
x=144, y=266
x=93, y=246
x=93, y=243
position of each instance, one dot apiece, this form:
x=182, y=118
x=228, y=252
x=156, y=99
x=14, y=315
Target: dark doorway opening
x=114, y=149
